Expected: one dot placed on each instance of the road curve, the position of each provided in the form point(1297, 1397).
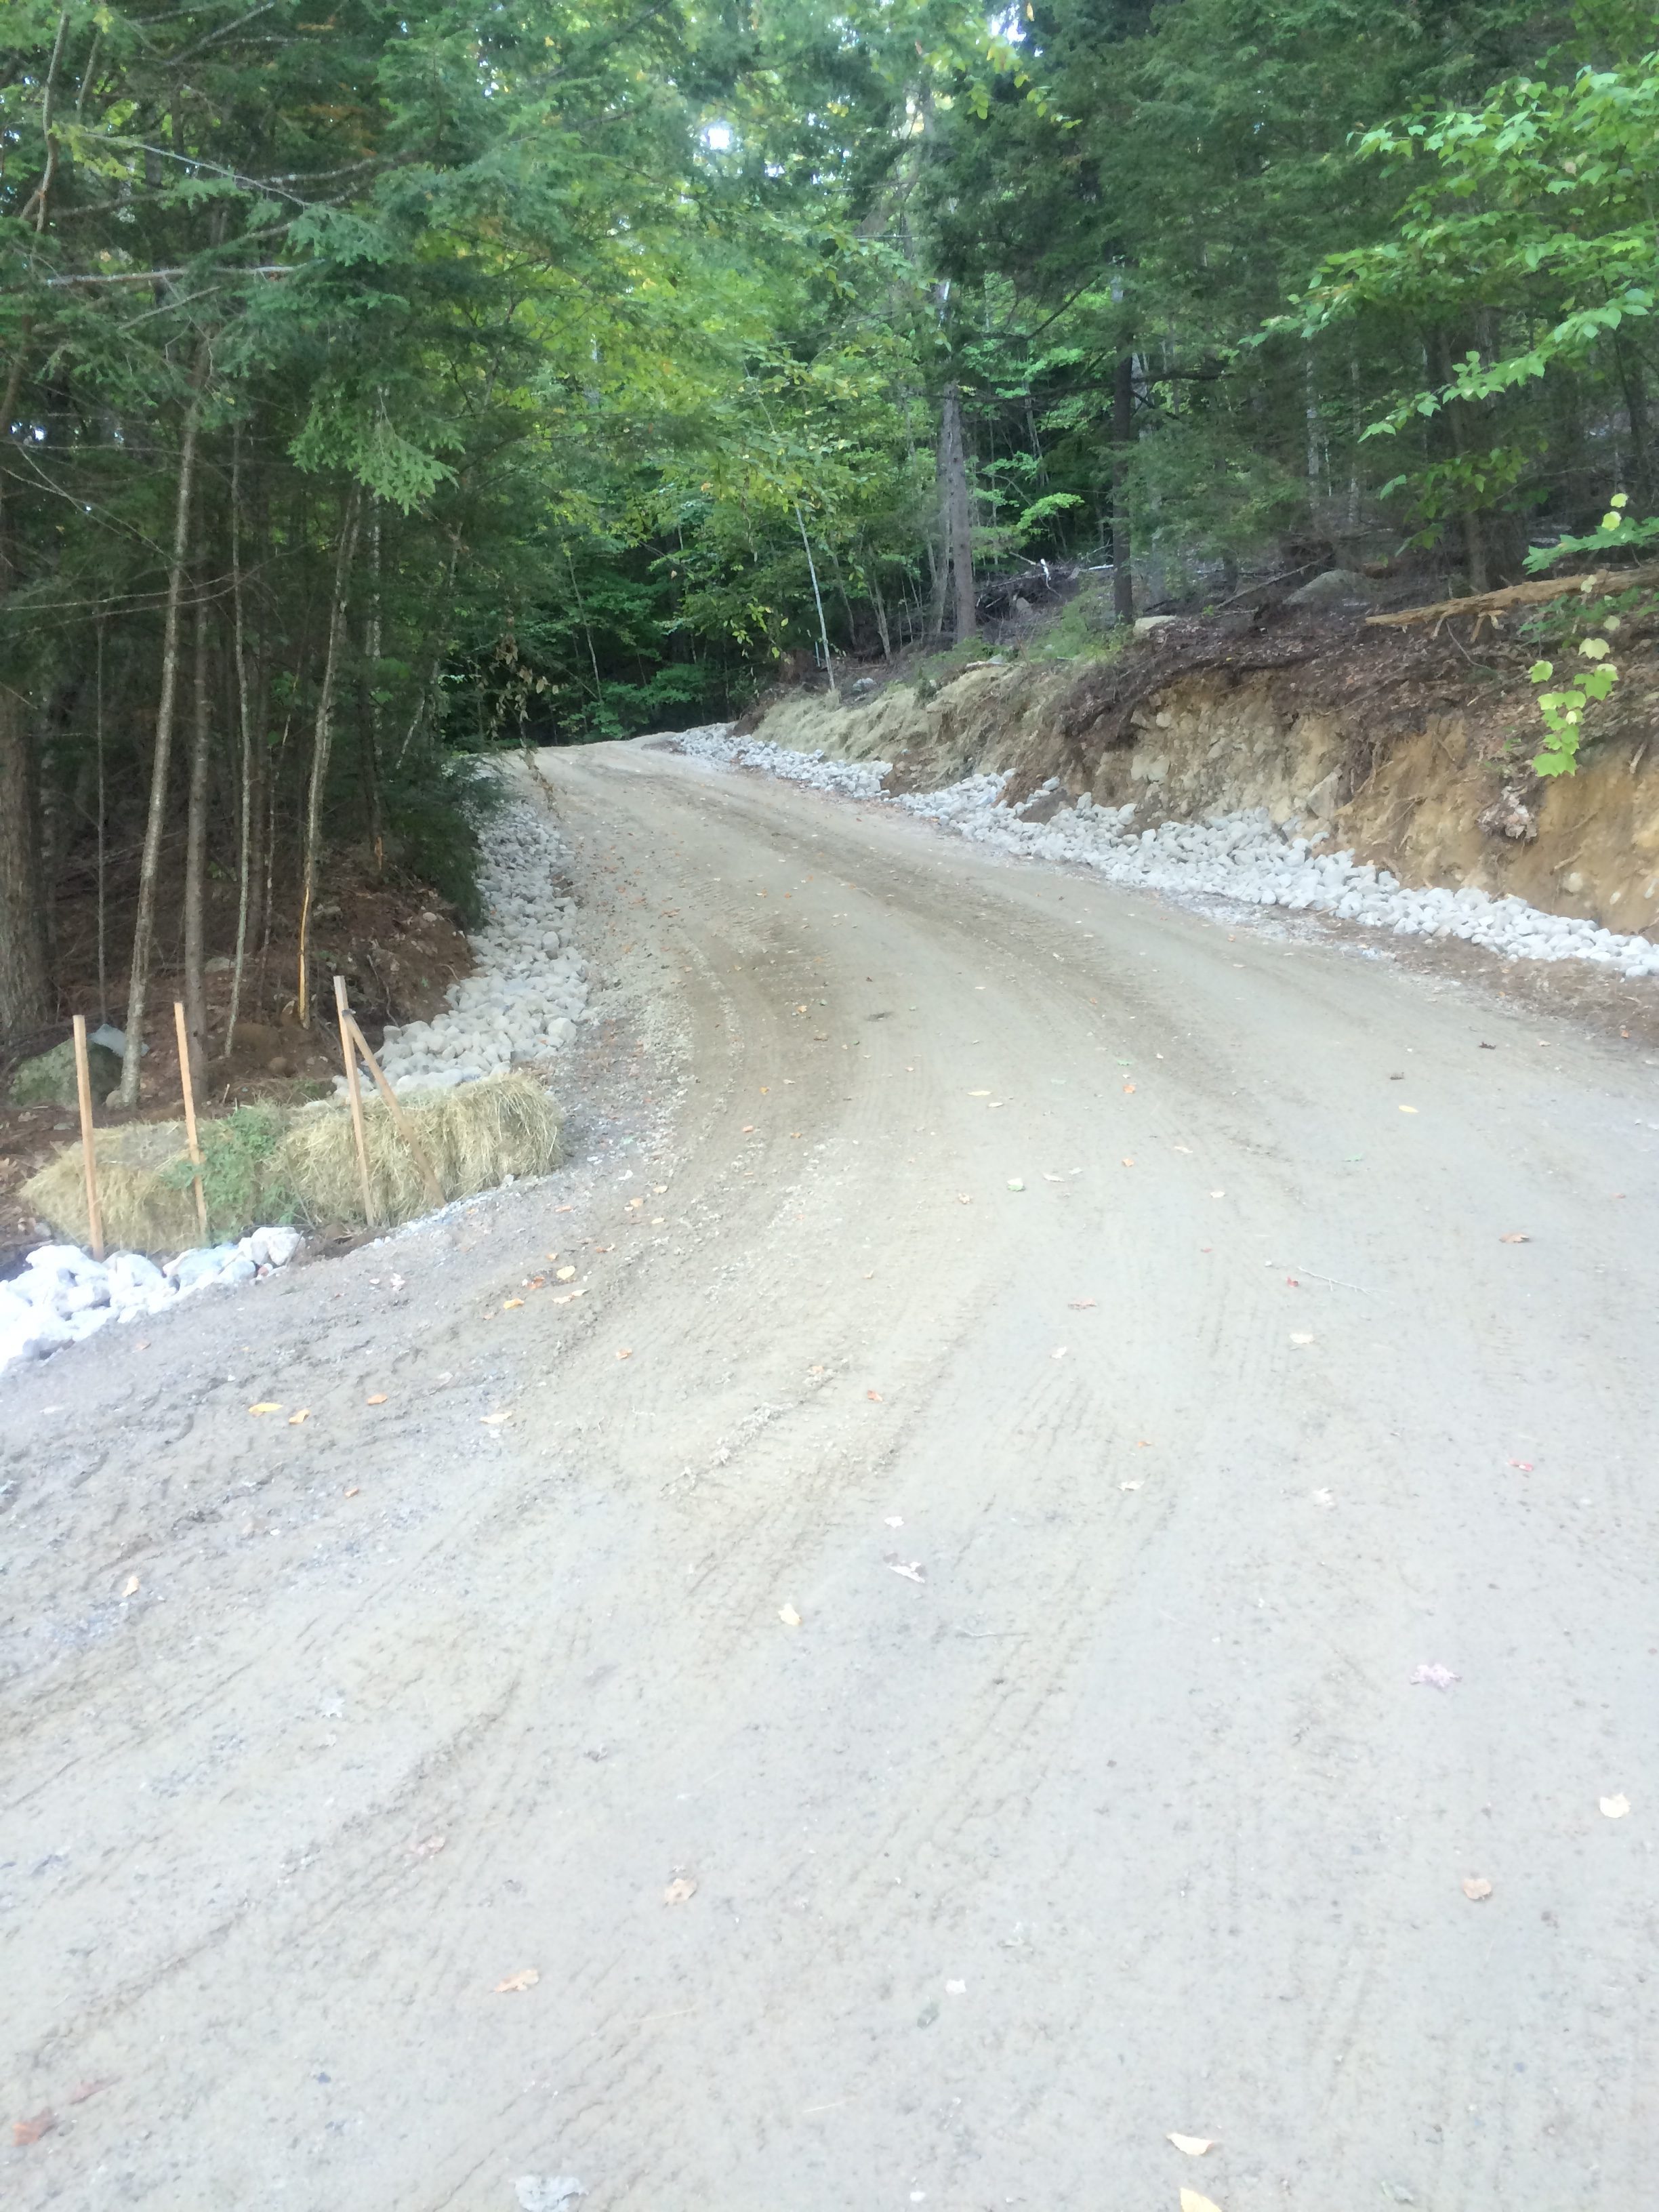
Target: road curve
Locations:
point(925, 1676)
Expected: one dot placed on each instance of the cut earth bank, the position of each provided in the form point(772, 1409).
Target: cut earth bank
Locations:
point(1363, 741)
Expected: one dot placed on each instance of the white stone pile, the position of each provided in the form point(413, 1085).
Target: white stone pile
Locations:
point(63, 1294)
point(852, 779)
point(1236, 856)
point(529, 987)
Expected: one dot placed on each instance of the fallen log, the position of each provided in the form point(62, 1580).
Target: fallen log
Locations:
point(1487, 605)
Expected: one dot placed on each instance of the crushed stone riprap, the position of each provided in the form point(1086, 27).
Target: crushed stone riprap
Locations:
point(529, 987)
point(1238, 856)
point(64, 1295)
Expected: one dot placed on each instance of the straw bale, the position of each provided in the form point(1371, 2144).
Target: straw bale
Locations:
point(476, 1135)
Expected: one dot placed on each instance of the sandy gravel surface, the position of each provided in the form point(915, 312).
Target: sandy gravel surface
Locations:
point(1140, 1290)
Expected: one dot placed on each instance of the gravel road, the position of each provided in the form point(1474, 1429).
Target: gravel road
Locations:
point(1105, 1332)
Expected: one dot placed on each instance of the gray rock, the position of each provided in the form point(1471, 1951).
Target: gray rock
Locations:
point(48, 1079)
point(1336, 587)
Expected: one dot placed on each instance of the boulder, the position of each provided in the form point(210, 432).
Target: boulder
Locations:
point(48, 1079)
point(1335, 587)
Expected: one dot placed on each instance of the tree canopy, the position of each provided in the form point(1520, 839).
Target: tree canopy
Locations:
point(384, 384)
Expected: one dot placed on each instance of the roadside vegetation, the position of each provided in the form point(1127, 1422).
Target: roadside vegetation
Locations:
point(384, 387)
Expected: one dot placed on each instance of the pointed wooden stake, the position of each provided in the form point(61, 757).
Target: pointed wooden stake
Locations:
point(428, 1173)
point(353, 1093)
point(188, 1091)
point(88, 1156)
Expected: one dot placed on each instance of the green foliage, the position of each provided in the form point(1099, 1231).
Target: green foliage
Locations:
point(1085, 628)
point(239, 1183)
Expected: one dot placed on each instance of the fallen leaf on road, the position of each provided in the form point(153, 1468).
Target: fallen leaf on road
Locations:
point(1435, 1677)
point(295, 1420)
point(1191, 2202)
point(874, 1396)
point(1014, 1183)
point(130, 1588)
point(962, 1199)
point(24, 2132)
point(493, 1420)
point(1477, 1889)
point(82, 2090)
point(1614, 1807)
point(1081, 1305)
point(979, 1094)
point(265, 1406)
point(1128, 1163)
point(635, 1203)
point(679, 1890)
point(1194, 2146)
point(1127, 1088)
point(1514, 1236)
point(788, 1616)
point(378, 1399)
point(1058, 1353)
point(507, 1305)
point(355, 1490)
point(1409, 1109)
point(1300, 1336)
point(526, 1978)
point(912, 1570)
point(566, 1274)
point(627, 1355)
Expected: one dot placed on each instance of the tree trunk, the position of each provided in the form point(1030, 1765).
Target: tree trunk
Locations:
point(957, 515)
point(321, 744)
point(25, 997)
point(817, 598)
point(372, 639)
point(1123, 437)
point(195, 992)
point(150, 867)
point(248, 809)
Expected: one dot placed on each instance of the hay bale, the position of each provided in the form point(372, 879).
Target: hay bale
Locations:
point(476, 1135)
point(298, 1165)
point(142, 1211)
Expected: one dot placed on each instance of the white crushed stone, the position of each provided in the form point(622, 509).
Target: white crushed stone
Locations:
point(63, 1294)
point(1238, 856)
point(529, 989)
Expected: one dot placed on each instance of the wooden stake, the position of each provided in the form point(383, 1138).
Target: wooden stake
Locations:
point(189, 1090)
point(353, 1093)
point(89, 1157)
point(428, 1173)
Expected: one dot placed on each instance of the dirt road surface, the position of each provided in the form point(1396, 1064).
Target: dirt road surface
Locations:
point(1103, 1327)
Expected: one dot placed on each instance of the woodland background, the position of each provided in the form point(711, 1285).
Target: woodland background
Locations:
point(384, 386)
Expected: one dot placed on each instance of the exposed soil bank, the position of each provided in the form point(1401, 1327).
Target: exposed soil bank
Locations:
point(1409, 752)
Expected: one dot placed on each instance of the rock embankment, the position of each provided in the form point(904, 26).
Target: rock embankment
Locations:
point(1242, 855)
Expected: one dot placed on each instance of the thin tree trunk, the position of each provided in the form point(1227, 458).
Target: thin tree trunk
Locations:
point(25, 997)
point(321, 744)
point(103, 813)
point(1123, 432)
point(149, 868)
point(245, 730)
point(372, 717)
point(956, 514)
point(818, 598)
point(195, 990)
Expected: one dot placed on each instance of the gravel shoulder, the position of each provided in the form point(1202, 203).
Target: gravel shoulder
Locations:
point(1058, 1248)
